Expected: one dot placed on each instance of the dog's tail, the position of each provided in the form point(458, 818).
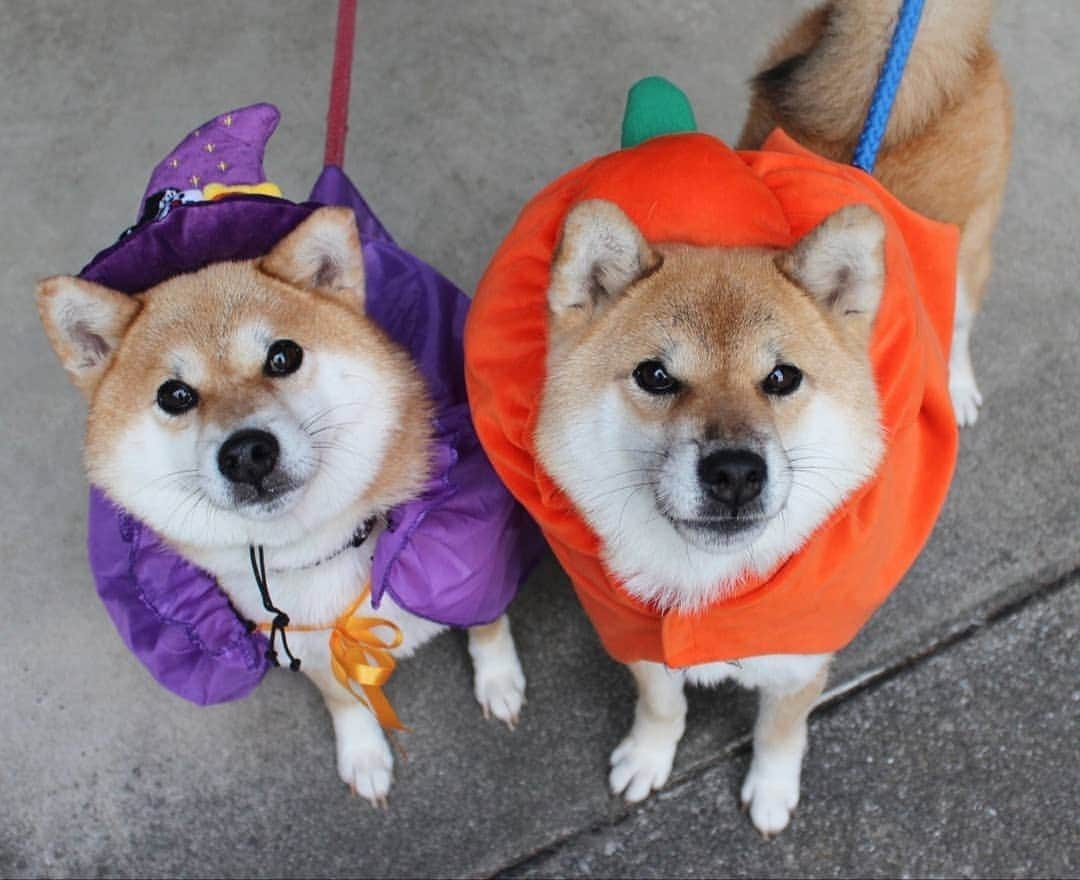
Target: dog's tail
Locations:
point(818, 80)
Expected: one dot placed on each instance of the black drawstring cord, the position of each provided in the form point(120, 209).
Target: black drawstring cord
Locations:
point(281, 619)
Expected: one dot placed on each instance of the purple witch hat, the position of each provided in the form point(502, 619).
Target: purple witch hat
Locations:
point(455, 555)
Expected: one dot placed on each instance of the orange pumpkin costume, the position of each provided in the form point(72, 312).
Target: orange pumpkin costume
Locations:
point(693, 188)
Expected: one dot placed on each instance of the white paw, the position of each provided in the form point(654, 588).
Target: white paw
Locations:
point(366, 765)
point(637, 768)
point(500, 689)
point(966, 400)
point(771, 793)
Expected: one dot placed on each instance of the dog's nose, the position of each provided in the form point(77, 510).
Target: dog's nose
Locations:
point(248, 456)
point(732, 476)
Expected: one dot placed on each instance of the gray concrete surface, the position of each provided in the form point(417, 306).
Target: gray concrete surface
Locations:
point(1000, 748)
point(459, 113)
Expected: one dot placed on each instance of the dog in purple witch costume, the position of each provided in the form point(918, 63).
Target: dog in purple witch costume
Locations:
point(280, 451)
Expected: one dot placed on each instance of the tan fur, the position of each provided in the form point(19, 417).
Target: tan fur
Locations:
point(946, 149)
point(696, 297)
point(187, 312)
point(783, 717)
point(488, 633)
point(203, 313)
point(719, 322)
point(780, 730)
point(99, 332)
point(300, 258)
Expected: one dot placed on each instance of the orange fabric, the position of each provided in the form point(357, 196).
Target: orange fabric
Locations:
point(693, 188)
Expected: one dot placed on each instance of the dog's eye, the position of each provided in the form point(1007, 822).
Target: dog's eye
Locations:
point(783, 379)
point(283, 357)
point(651, 376)
point(176, 397)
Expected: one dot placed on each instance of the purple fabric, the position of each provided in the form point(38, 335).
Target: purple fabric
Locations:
point(455, 555)
point(228, 149)
point(459, 551)
point(334, 188)
point(170, 613)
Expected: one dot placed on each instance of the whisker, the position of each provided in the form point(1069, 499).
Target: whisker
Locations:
point(626, 503)
point(195, 495)
point(335, 427)
point(592, 499)
point(660, 453)
point(179, 476)
point(342, 447)
point(832, 502)
point(604, 478)
point(312, 420)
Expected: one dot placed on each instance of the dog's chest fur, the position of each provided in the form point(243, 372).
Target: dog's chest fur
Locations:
point(784, 672)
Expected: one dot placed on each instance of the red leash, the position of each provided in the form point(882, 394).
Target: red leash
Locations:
point(337, 115)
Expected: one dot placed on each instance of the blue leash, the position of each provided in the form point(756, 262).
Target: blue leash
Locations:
point(892, 72)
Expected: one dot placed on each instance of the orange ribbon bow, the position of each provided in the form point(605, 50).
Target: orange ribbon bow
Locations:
point(359, 657)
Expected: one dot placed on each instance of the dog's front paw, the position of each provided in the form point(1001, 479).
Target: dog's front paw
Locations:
point(498, 681)
point(366, 765)
point(771, 793)
point(966, 399)
point(500, 689)
point(639, 767)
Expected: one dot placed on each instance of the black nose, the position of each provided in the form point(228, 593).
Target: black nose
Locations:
point(248, 456)
point(732, 476)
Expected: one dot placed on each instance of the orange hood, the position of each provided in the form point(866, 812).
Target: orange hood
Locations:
point(693, 188)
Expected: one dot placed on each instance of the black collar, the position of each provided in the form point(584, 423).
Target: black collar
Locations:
point(361, 534)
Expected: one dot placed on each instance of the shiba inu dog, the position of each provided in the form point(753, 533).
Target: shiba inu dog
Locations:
point(255, 403)
point(736, 413)
point(738, 409)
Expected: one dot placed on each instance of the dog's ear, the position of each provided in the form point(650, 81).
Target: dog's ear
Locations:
point(600, 254)
point(841, 262)
point(85, 323)
point(323, 254)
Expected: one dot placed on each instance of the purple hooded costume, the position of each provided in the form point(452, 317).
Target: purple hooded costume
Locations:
point(455, 554)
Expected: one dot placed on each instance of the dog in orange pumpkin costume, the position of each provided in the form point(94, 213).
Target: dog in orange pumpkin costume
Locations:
point(721, 381)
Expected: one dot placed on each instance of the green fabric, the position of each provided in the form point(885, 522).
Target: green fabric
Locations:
point(655, 106)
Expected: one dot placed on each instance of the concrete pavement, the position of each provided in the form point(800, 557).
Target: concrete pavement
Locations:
point(976, 717)
point(459, 113)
